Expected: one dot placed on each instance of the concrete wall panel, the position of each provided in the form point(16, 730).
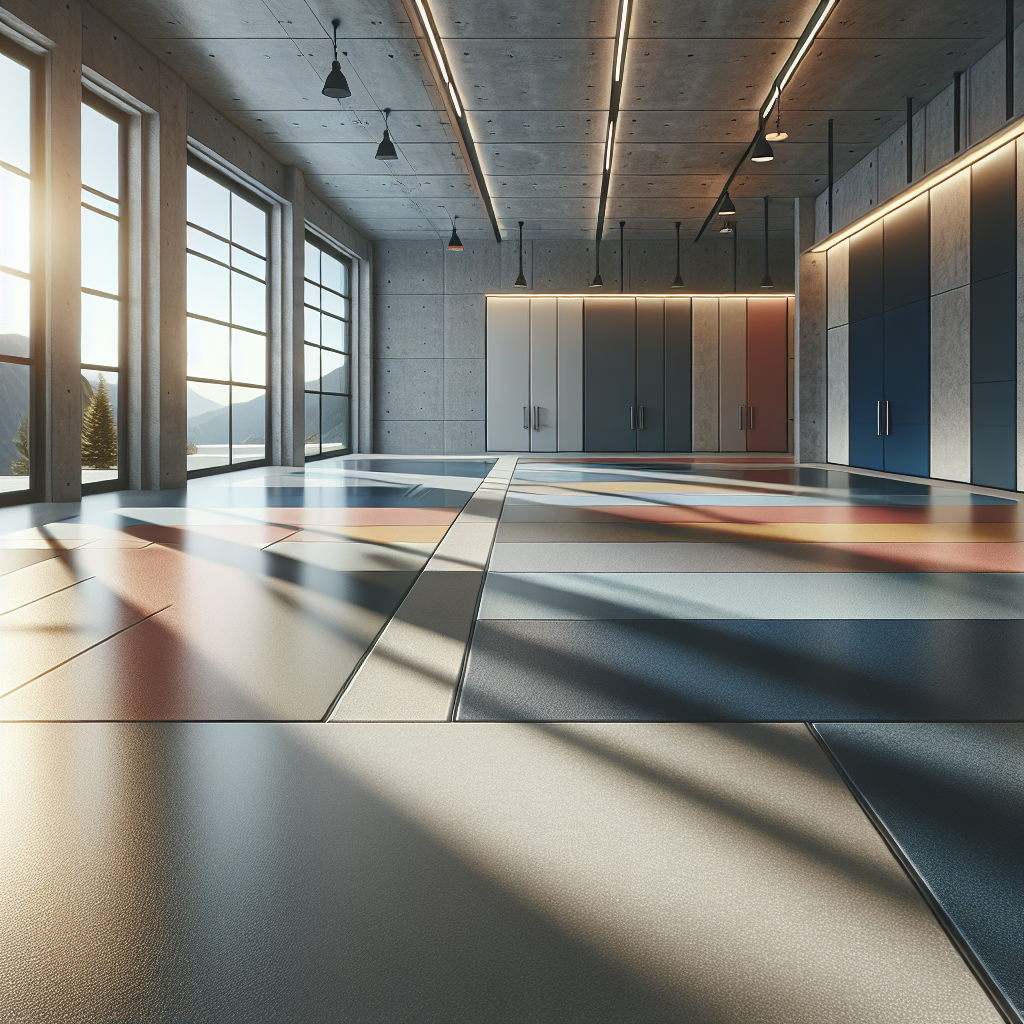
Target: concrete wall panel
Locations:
point(118, 59)
point(474, 270)
point(464, 320)
point(938, 142)
point(951, 385)
point(398, 437)
point(810, 341)
point(856, 192)
point(705, 374)
point(839, 284)
point(464, 389)
point(839, 395)
point(409, 326)
point(409, 389)
point(464, 437)
point(408, 268)
point(892, 163)
point(951, 233)
point(987, 95)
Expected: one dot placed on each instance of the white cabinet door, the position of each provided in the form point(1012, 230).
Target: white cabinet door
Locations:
point(733, 375)
point(509, 417)
point(570, 375)
point(544, 375)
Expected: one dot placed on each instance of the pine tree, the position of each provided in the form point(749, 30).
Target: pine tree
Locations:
point(99, 435)
point(20, 466)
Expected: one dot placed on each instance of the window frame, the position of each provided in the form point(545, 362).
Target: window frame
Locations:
point(319, 242)
point(108, 109)
point(250, 195)
point(34, 62)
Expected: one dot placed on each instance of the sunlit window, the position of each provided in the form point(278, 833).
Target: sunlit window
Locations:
point(227, 324)
point(328, 317)
point(16, 348)
point(102, 290)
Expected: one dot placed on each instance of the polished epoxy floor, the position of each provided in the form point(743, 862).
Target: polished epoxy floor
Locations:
point(701, 740)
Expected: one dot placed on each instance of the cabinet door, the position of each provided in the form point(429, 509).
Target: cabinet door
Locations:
point(678, 376)
point(866, 391)
point(767, 375)
point(732, 375)
point(543, 375)
point(650, 374)
point(907, 389)
point(508, 374)
point(570, 375)
point(609, 375)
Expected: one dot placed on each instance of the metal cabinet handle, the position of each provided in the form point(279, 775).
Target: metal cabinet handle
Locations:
point(536, 417)
point(750, 417)
point(741, 418)
point(641, 417)
point(526, 417)
point(878, 418)
point(888, 418)
point(632, 417)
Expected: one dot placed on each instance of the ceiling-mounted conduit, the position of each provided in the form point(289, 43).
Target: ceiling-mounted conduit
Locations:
point(618, 72)
point(423, 26)
point(803, 44)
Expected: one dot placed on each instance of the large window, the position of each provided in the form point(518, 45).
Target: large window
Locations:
point(16, 350)
point(102, 290)
point(227, 324)
point(328, 317)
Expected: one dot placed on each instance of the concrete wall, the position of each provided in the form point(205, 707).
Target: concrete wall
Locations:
point(428, 317)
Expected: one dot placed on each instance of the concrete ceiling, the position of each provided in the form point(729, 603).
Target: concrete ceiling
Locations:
point(535, 78)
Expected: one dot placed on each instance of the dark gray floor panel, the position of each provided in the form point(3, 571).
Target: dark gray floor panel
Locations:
point(744, 670)
point(952, 796)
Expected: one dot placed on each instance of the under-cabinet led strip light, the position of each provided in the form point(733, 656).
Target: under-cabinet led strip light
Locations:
point(423, 27)
point(955, 166)
point(601, 296)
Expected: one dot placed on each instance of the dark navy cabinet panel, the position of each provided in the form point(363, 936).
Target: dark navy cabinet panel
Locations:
point(866, 278)
point(678, 376)
point(994, 434)
point(994, 329)
point(907, 254)
point(650, 373)
point(907, 388)
point(993, 214)
point(867, 368)
point(609, 375)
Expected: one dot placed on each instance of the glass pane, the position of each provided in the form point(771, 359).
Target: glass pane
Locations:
point(312, 270)
point(248, 225)
point(15, 114)
point(107, 205)
point(334, 304)
point(312, 357)
point(15, 297)
point(207, 426)
point(312, 325)
point(15, 210)
point(333, 336)
point(312, 424)
point(14, 425)
point(335, 423)
point(200, 241)
point(333, 273)
point(333, 372)
point(208, 203)
point(248, 357)
point(207, 350)
point(311, 294)
point(208, 288)
point(248, 423)
point(100, 330)
point(100, 163)
point(248, 302)
point(250, 264)
point(99, 426)
point(99, 252)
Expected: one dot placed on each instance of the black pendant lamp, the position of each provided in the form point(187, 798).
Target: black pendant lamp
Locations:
point(728, 208)
point(386, 149)
point(763, 152)
point(454, 243)
point(336, 85)
point(521, 279)
point(767, 282)
point(678, 282)
point(597, 282)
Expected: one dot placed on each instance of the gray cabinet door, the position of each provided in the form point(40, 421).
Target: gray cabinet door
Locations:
point(650, 374)
point(508, 374)
point(544, 374)
point(732, 381)
point(609, 374)
point(678, 376)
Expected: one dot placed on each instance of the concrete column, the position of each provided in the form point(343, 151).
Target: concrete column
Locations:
point(168, 355)
point(62, 230)
point(289, 400)
point(810, 340)
point(705, 374)
point(363, 396)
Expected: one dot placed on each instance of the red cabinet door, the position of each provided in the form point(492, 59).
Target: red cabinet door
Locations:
point(767, 374)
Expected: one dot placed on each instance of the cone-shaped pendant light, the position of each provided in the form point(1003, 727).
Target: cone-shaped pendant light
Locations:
point(386, 149)
point(336, 85)
point(454, 243)
point(728, 208)
point(678, 282)
point(763, 152)
point(521, 279)
point(767, 282)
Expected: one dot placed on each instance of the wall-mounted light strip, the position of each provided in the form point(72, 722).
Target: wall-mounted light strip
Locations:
point(803, 44)
point(759, 296)
point(618, 70)
point(955, 166)
point(422, 22)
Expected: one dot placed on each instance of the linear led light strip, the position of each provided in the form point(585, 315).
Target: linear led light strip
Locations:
point(814, 26)
point(599, 296)
point(418, 12)
point(969, 157)
point(621, 38)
